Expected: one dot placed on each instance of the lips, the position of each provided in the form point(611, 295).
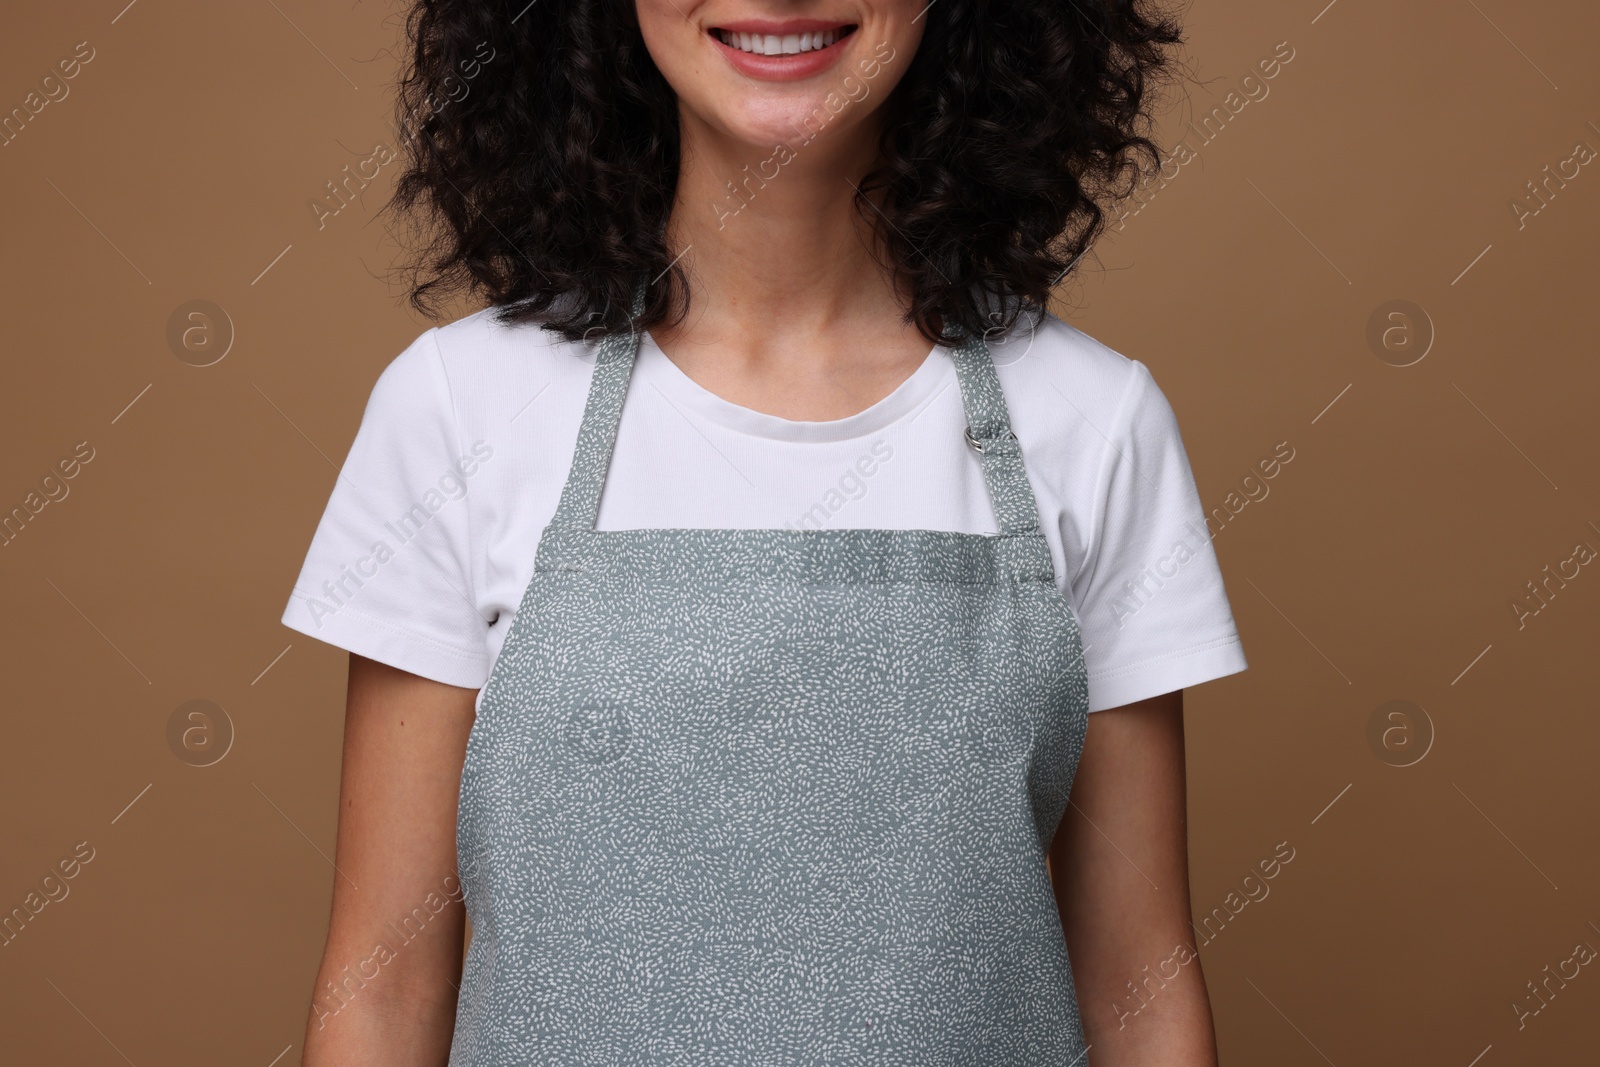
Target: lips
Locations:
point(785, 50)
point(772, 44)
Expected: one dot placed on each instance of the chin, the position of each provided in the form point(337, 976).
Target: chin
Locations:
point(793, 120)
point(800, 112)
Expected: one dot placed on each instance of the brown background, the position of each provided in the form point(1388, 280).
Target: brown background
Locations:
point(1382, 565)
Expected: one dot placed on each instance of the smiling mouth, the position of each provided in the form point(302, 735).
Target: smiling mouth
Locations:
point(787, 45)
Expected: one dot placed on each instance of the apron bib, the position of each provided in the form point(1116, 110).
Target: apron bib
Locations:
point(774, 797)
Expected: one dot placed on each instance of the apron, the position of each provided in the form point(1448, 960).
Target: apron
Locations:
point(774, 797)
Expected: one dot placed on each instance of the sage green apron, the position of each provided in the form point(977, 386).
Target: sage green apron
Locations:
point(763, 797)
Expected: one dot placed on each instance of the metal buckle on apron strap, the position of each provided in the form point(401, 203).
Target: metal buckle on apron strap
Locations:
point(1007, 442)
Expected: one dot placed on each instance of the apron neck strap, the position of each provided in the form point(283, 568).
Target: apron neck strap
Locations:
point(988, 432)
point(990, 435)
point(579, 506)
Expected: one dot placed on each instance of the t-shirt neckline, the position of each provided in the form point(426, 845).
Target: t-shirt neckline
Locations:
point(911, 394)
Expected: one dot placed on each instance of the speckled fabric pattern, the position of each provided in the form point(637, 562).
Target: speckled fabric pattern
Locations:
point(774, 797)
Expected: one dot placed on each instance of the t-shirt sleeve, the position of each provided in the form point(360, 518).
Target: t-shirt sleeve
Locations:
point(1152, 609)
point(388, 573)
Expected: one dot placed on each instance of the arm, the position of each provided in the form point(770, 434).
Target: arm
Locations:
point(1126, 829)
point(386, 988)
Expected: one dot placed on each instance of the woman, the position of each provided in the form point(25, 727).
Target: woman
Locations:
point(737, 597)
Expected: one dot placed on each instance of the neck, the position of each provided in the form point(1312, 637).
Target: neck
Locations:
point(772, 240)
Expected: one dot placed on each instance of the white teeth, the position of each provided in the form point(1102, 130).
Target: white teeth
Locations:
point(769, 45)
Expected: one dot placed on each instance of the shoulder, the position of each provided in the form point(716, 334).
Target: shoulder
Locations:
point(478, 345)
point(485, 335)
point(469, 362)
point(1065, 387)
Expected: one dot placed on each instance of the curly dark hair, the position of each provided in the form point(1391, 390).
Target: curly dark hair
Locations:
point(542, 142)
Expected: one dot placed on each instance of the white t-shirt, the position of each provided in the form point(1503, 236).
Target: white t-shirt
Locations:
point(427, 543)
